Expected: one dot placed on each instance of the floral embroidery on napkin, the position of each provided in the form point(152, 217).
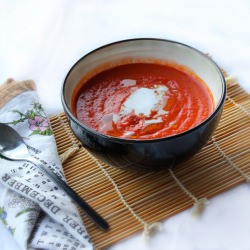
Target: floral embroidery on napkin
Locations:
point(37, 120)
point(19, 207)
point(25, 207)
point(3, 218)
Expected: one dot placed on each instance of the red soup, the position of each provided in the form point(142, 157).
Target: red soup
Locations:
point(143, 101)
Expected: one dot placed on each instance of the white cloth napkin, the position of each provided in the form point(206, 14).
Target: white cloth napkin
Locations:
point(35, 211)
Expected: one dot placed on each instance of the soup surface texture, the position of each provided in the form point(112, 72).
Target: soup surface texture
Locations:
point(142, 101)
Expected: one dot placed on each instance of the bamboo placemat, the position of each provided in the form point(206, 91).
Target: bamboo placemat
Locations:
point(131, 201)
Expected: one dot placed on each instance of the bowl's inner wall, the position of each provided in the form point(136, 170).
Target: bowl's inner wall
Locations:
point(145, 50)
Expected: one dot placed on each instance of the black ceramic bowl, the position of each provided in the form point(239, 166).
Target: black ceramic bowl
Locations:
point(147, 154)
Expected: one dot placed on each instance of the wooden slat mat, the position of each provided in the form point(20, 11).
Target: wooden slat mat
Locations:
point(129, 201)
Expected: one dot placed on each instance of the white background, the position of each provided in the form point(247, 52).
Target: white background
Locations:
point(42, 39)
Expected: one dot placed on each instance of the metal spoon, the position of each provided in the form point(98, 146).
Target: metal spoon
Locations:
point(12, 147)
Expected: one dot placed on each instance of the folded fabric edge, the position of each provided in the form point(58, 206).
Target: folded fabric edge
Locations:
point(11, 88)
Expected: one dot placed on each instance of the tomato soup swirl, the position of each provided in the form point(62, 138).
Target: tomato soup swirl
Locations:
point(143, 101)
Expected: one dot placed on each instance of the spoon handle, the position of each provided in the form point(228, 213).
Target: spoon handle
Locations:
point(92, 214)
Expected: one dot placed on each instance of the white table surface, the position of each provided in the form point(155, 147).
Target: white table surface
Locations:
point(41, 39)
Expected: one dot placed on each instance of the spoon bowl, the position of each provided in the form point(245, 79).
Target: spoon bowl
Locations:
point(12, 146)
